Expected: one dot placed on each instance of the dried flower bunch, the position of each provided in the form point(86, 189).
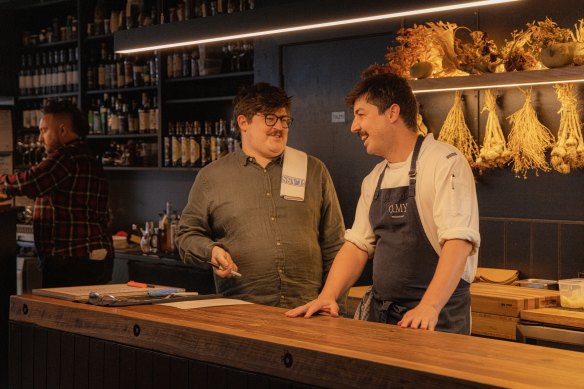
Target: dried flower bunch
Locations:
point(494, 152)
point(528, 139)
point(568, 152)
point(456, 132)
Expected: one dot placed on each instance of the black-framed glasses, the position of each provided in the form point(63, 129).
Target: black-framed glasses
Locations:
point(272, 119)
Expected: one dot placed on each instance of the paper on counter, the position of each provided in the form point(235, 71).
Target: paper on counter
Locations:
point(205, 303)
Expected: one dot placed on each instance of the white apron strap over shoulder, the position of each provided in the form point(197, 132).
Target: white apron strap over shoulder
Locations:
point(294, 174)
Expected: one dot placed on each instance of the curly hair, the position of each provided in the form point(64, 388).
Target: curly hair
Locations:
point(67, 109)
point(260, 98)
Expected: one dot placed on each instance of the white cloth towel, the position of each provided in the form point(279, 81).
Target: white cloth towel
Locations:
point(294, 174)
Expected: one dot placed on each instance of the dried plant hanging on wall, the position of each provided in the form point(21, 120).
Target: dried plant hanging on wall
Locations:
point(568, 152)
point(528, 139)
point(494, 152)
point(456, 132)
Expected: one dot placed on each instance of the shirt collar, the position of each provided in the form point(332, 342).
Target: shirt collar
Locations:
point(244, 159)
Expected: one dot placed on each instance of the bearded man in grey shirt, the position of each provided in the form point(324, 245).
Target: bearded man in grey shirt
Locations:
point(238, 218)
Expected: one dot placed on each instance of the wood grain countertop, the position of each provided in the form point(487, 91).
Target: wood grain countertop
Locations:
point(324, 351)
point(556, 316)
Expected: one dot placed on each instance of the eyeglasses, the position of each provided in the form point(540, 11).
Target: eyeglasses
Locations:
point(272, 119)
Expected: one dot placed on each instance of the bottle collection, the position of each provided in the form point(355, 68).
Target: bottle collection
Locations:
point(189, 145)
point(29, 151)
point(119, 115)
point(56, 32)
point(113, 71)
point(159, 238)
point(131, 153)
point(203, 60)
point(49, 72)
point(135, 13)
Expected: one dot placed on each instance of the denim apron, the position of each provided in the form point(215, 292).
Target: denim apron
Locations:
point(405, 261)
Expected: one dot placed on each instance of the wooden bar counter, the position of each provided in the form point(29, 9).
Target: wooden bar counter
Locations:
point(57, 343)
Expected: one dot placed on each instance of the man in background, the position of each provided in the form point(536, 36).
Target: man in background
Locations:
point(70, 217)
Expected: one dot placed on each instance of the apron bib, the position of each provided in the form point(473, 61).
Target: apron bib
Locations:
point(405, 261)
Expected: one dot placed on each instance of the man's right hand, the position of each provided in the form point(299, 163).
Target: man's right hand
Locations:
point(223, 259)
point(321, 304)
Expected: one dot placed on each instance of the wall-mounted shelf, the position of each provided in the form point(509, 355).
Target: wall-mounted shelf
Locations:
point(200, 100)
point(50, 45)
point(499, 80)
point(209, 77)
point(122, 136)
point(123, 90)
point(99, 37)
point(52, 95)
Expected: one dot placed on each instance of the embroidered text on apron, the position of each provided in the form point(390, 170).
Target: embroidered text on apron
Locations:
point(405, 261)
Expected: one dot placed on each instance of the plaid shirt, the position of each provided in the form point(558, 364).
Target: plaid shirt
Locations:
point(71, 202)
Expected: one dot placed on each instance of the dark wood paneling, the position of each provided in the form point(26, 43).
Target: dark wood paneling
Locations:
point(111, 371)
point(518, 247)
point(15, 360)
point(544, 262)
point(81, 365)
point(96, 363)
point(27, 342)
point(40, 358)
point(128, 370)
point(144, 372)
point(53, 358)
point(179, 373)
point(216, 377)
point(571, 251)
point(67, 361)
point(161, 371)
point(198, 377)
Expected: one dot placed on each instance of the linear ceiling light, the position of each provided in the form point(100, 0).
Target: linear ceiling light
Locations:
point(258, 33)
point(497, 86)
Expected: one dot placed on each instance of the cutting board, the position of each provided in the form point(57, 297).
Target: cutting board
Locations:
point(494, 326)
point(507, 300)
point(81, 293)
point(556, 316)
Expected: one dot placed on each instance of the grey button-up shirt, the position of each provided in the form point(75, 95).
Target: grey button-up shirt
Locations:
point(284, 249)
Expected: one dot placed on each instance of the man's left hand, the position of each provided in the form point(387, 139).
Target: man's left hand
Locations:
point(423, 316)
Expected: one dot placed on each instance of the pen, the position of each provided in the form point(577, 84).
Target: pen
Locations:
point(233, 272)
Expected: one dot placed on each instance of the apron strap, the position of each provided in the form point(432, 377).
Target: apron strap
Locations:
point(413, 171)
point(379, 181)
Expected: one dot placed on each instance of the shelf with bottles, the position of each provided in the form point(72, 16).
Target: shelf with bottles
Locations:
point(232, 59)
point(123, 136)
point(61, 31)
point(28, 152)
point(124, 115)
point(123, 90)
point(195, 143)
point(128, 153)
point(110, 72)
point(200, 100)
point(50, 73)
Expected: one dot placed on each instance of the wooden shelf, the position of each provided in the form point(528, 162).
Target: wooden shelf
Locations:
point(209, 77)
point(48, 96)
point(99, 37)
point(200, 100)
point(50, 45)
point(123, 90)
point(130, 168)
point(121, 136)
point(499, 80)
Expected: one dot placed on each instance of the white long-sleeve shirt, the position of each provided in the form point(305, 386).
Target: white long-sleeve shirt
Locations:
point(445, 198)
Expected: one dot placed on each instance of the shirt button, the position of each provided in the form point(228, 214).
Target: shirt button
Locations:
point(268, 194)
point(278, 243)
point(265, 171)
point(272, 218)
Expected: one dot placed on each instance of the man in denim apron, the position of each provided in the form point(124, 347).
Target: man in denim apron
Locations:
point(417, 218)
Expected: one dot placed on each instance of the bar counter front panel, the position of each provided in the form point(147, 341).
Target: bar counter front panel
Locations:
point(254, 341)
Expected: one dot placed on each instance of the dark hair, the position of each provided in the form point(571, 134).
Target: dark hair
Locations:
point(260, 98)
point(66, 108)
point(383, 90)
